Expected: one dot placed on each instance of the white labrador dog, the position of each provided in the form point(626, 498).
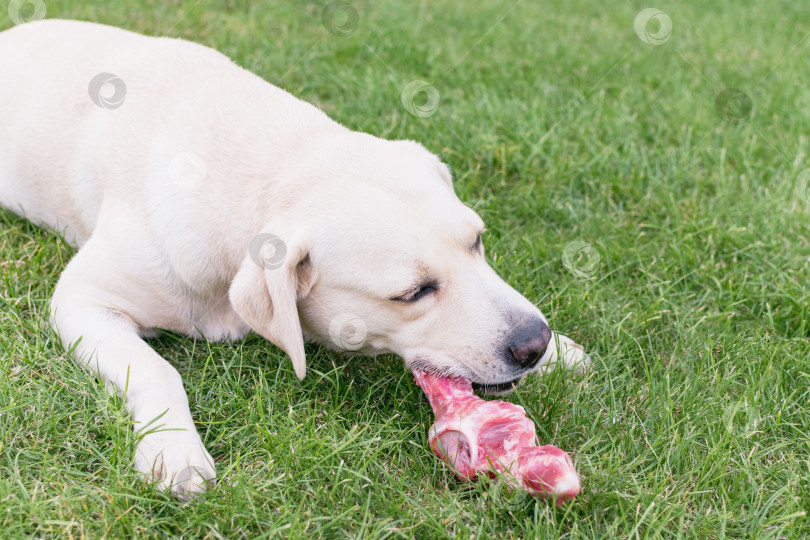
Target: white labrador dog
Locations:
point(206, 201)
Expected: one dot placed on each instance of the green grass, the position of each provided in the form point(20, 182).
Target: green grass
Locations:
point(560, 125)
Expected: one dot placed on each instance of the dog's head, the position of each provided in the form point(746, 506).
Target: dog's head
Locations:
point(370, 250)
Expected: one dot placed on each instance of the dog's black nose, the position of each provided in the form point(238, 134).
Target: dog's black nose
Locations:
point(529, 344)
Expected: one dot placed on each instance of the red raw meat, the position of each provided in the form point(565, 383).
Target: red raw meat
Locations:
point(476, 436)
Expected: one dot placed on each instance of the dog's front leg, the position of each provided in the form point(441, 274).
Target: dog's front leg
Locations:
point(108, 344)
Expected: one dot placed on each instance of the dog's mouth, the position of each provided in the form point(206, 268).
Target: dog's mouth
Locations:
point(497, 387)
point(421, 363)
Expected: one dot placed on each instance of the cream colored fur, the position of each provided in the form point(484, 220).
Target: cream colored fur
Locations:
point(165, 193)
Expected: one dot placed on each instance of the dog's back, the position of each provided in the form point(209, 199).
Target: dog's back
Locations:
point(82, 122)
point(37, 162)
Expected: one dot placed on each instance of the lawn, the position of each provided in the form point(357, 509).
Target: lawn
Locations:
point(644, 179)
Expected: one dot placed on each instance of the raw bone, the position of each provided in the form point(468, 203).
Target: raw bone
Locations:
point(476, 436)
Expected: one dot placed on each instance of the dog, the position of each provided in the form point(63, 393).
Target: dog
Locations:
point(205, 201)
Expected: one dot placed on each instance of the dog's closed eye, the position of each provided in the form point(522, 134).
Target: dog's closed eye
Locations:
point(479, 244)
point(417, 293)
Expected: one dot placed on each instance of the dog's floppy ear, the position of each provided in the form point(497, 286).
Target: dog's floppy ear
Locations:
point(273, 277)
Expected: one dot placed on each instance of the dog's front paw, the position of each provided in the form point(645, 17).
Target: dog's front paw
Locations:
point(565, 353)
point(176, 460)
point(573, 356)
